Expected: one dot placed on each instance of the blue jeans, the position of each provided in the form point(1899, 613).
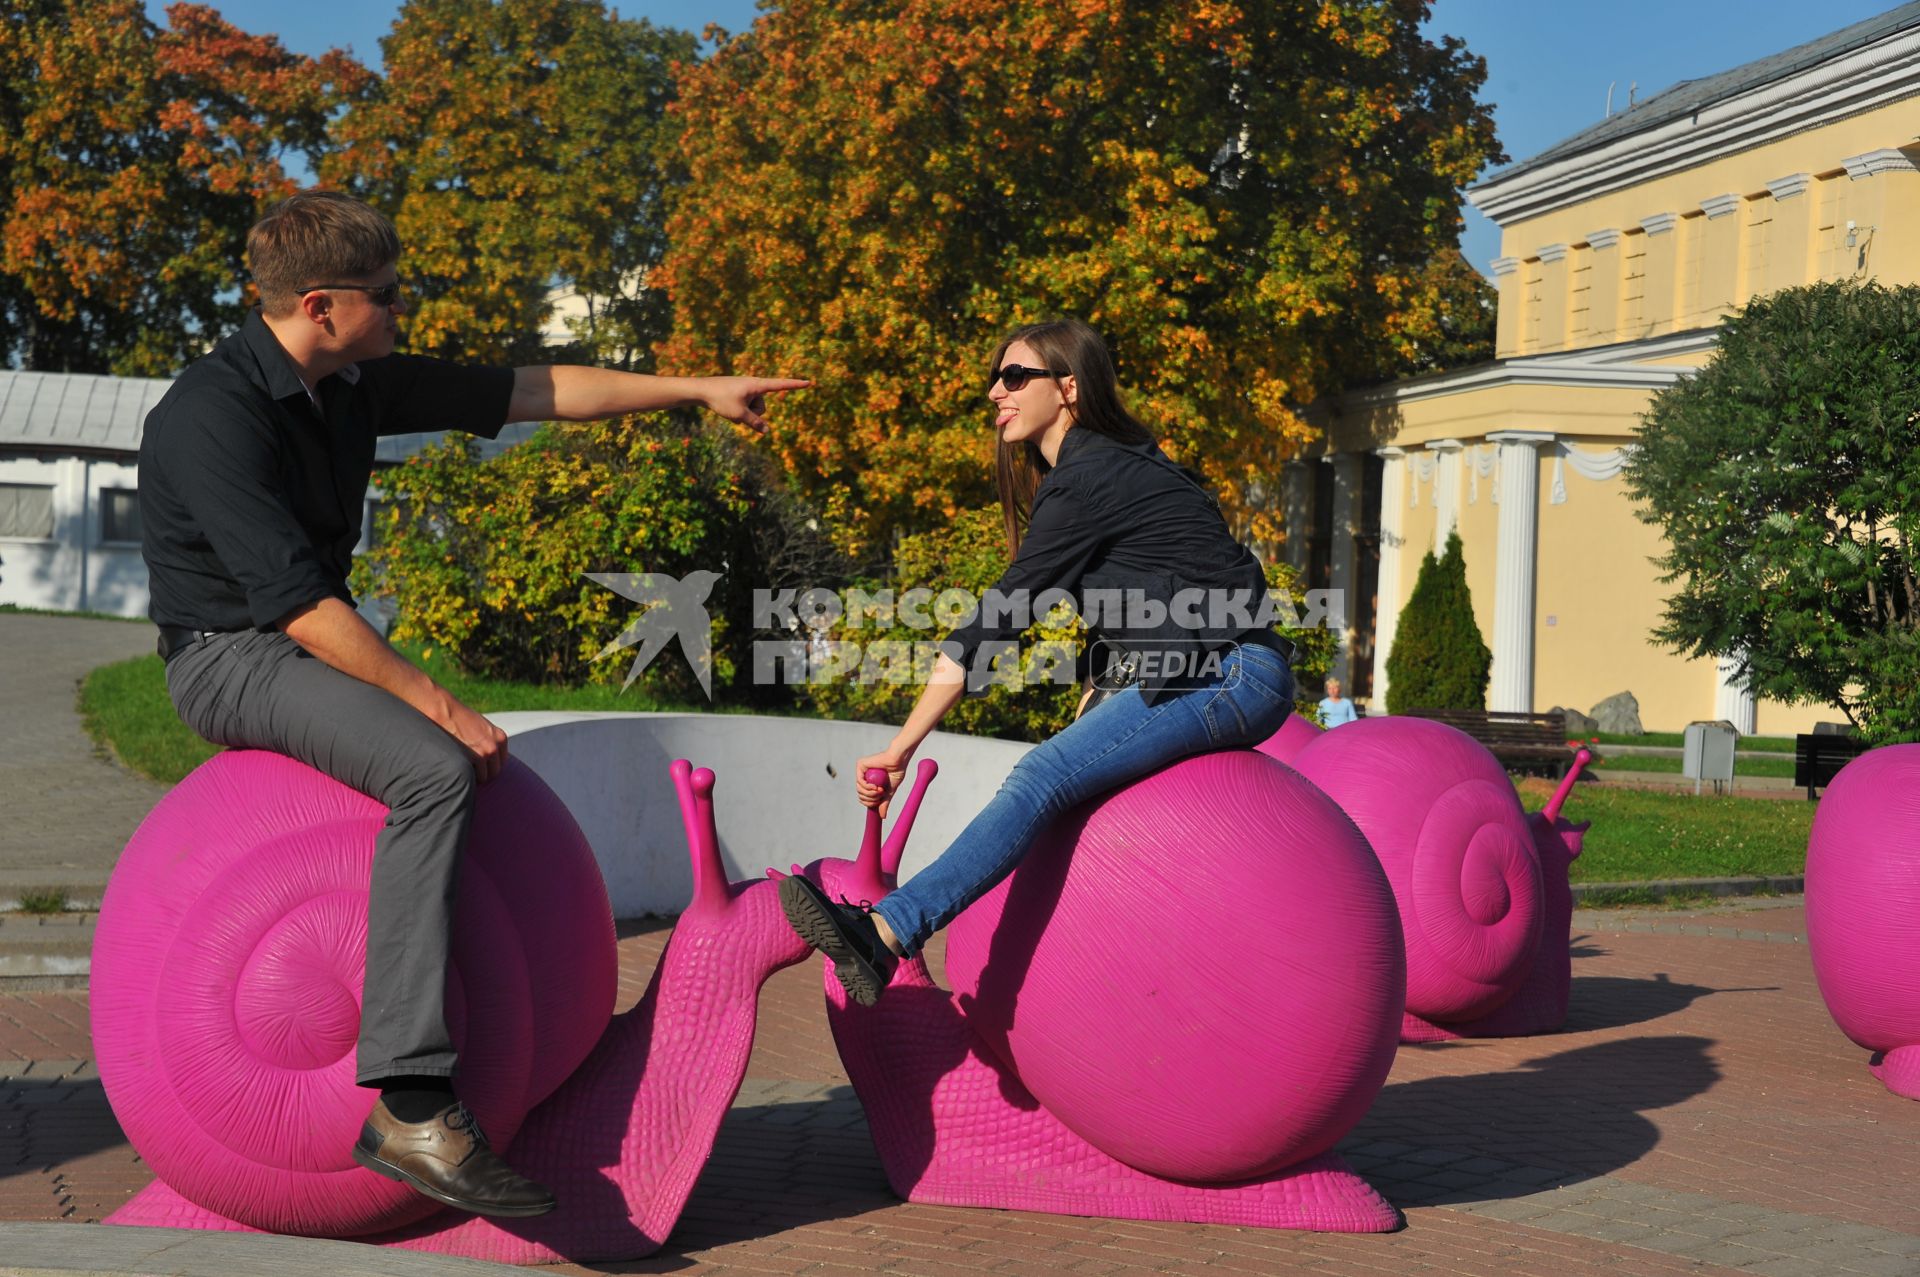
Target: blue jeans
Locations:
point(1118, 741)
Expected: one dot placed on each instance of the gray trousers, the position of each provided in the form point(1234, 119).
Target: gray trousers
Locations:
point(261, 690)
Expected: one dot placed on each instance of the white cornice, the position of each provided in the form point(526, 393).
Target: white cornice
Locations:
point(1719, 205)
point(1659, 223)
point(1886, 160)
point(1785, 188)
point(1859, 80)
point(1505, 265)
point(1390, 452)
point(1524, 373)
point(1445, 445)
point(1694, 341)
point(1522, 436)
point(1553, 252)
point(1603, 239)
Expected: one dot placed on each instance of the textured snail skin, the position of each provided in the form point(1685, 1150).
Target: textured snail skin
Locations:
point(623, 1139)
point(1540, 1004)
point(1294, 735)
point(226, 977)
point(1442, 816)
point(1206, 967)
point(1863, 897)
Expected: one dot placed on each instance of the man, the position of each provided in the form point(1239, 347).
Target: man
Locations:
point(1336, 709)
point(253, 472)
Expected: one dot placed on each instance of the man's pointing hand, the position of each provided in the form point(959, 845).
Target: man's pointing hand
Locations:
point(744, 399)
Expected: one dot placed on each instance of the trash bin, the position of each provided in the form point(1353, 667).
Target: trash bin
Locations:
point(1706, 753)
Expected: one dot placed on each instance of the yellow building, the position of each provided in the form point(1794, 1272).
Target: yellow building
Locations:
point(1623, 248)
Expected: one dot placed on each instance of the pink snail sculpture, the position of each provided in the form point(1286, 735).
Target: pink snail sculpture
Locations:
point(1482, 888)
point(1863, 896)
point(226, 986)
point(1294, 735)
point(1188, 991)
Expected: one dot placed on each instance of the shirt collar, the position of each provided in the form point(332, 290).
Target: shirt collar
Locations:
point(274, 366)
point(1071, 442)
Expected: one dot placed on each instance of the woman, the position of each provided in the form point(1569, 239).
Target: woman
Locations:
point(1335, 709)
point(1094, 507)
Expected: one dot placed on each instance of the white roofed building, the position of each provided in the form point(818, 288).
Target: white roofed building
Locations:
point(69, 511)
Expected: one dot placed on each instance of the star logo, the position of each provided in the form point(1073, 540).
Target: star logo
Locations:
point(673, 608)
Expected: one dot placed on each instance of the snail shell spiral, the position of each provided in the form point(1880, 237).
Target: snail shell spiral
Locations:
point(227, 971)
point(1443, 818)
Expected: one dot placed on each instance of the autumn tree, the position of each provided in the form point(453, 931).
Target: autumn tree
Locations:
point(1254, 203)
point(133, 158)
point(512, 141)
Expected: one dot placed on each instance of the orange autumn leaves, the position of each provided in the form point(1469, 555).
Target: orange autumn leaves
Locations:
point(1255, 203)
point(134, 158)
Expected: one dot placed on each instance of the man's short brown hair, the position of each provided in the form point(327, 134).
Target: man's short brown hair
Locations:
point(316, 237)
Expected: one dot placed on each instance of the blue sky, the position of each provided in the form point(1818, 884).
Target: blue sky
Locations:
point(1548, 63)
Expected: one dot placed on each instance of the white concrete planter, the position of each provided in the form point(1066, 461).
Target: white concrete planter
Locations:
point(783, 792)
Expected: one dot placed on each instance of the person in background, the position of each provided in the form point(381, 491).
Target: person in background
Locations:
point(1336, 709)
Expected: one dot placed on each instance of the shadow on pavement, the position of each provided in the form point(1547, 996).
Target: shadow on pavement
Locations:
point(775, 1167)
point(1611, 1002)
point(1578, 1111)
point(47, 1122)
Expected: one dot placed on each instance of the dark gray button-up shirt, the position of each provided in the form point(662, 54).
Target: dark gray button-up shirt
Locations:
point(251, 493)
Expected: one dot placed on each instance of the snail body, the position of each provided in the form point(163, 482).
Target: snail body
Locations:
point(1863, 889)
point(1185, 994)
point(248, 883)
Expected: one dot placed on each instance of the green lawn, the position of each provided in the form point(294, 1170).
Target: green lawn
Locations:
point(125, 709)
point(1642, 835)
point(1782, 766)
point(1675, 740)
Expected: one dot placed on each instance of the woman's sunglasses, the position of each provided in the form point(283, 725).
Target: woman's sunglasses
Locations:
point(378, 294)
point(1017, 376)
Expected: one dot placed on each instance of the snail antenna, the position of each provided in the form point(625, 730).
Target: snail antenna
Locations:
point(1559, 799)
point(896, 848)
point(695, 790)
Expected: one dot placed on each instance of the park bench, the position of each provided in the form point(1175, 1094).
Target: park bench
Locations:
point(1522, 742)
point(1819, 756)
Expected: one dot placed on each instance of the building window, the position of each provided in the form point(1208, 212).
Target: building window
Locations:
point(119, 514)
point(26, 510)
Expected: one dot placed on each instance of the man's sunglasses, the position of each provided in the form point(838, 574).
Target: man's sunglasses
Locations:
point(1017, 376)
point(379, 294)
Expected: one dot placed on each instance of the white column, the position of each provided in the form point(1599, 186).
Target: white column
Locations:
point(1512, 685)
point(1446, 492)
point(1297, 493)
point(1386, 616)
point(1343, 568)
point(1732, 698)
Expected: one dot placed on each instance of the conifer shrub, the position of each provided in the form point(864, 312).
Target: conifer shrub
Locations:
point(1439, 660)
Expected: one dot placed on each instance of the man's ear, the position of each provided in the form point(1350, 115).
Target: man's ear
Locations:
point(317, 307)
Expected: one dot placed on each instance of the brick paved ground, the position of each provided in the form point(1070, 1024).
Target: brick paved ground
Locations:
point(67, 812)
point(1700, 1115)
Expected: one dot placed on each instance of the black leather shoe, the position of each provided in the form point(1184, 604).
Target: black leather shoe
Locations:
point(448, 1159)
point(845, 933)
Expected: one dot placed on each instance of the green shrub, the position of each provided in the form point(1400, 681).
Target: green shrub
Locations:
point(488, 560)
point(1438, 660)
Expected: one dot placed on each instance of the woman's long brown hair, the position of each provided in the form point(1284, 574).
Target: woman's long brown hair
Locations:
point(1073, 346)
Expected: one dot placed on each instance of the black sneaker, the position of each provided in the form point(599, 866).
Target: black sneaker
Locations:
point(845, 933)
